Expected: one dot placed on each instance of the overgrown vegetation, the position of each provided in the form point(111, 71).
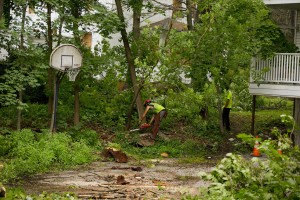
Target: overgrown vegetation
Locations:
point(26, 153)
point(21, 195)
point(242, 28)
point(275, 176)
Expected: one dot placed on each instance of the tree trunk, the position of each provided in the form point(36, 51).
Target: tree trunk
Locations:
point(137, 12)
point(51, 73)
point(76, 103)
point(76, 15)
point(1, 9)
point(297, 121)
point(220, 103)
point(197, 13)
point(7, 4)
point(189, 15)
point(19, 115)
point(19, 118)
point(129, 59)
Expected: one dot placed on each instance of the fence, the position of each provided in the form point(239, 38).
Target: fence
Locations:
point(282, 68)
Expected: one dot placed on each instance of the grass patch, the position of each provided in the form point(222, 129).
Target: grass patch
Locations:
point(264, 120)
point(31, 153)
point(18, 193)
point(174, 148)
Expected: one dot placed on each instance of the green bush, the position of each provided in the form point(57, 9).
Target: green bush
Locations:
point(184, 106)
point(35, 116)
point(174, 148)
point(19, 194)
point(278, 103)
point(32, 153)
point(4, 145)
point(89, 137)
point(8, 117)
point(275, 177)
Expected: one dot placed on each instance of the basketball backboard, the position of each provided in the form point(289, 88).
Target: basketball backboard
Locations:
point(65, 57)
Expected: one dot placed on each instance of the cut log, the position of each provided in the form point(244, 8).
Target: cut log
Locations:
point(118, 156)
point(2, 191)
point(121, 180)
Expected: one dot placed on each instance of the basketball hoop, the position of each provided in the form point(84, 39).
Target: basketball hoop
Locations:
point(66, 58)
point(72, 73)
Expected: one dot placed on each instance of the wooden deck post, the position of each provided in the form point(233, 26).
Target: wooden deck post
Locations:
point(253, 113)
point(297, 121)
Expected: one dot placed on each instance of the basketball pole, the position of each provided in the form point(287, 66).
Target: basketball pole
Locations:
point(63, 58)
point(59, 77)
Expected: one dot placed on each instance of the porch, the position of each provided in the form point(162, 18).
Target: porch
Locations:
point(290, 4)
point(276, 76)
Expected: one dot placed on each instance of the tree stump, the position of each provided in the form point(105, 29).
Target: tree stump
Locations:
point(145, 140)
point(118, 156)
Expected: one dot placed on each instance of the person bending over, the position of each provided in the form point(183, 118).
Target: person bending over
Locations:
point(158, 113)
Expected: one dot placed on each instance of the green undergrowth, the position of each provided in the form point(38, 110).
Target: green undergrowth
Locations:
point(274, 175)
point(264, 121)
point(26, 153)
point(19, 194)
point(174, 148)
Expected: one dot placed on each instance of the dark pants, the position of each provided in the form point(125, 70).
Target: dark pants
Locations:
point(157, 119)
point(225, 116)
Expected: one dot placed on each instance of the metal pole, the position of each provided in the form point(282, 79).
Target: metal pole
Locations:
point(59, 77)
point(253, 114)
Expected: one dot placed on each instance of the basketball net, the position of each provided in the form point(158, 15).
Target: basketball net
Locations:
point(72, 73)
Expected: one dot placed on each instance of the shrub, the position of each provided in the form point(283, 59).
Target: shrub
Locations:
point(19, 194)
point(184, 106)
point(275, 177)
point(174, 147)
point(35, 116)
point(89, 137)
point(32, 153)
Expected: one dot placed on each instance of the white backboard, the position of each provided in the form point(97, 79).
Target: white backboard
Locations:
point(66, 56)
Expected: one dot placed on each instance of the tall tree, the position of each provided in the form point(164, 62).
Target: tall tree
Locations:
point(1, 13)
point(129, 58)
point(24, 66)
point(228, 35)
point(189, 15)
point(76, 7)
point(22, 32)
point(51, 73)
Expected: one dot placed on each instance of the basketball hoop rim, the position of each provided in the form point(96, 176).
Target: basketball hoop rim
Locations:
point(72, 73)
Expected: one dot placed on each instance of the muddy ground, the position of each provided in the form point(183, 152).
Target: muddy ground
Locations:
point(162, 178)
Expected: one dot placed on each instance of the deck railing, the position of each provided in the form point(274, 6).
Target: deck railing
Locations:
point(282, 68)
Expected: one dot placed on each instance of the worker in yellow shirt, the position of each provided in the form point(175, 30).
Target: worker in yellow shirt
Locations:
point(226, 109)
point(158, 113)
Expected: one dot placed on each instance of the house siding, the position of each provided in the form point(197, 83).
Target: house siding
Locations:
point(285, 19)
point(297, 31)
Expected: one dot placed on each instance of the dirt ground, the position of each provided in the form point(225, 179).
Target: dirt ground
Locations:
point(163, 178)
point(154, 179)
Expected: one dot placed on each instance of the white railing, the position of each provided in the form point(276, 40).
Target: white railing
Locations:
point(282, 68)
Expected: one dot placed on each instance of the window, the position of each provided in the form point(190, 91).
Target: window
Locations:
point(87, 40)
point(177, 4)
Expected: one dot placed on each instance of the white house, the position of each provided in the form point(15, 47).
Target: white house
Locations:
point(279, 76)
point(282, 77)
